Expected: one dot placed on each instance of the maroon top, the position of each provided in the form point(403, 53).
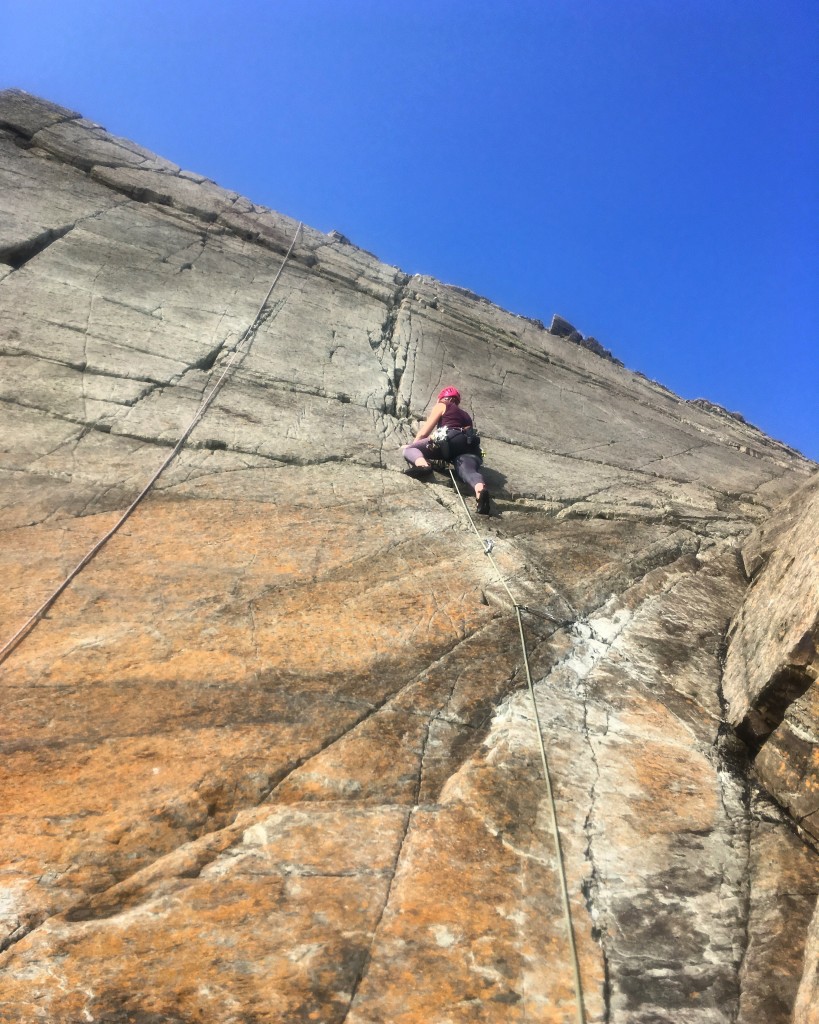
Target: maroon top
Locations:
point(455, 417)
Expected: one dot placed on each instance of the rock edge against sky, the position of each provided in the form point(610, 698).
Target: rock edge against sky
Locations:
point(271, 757)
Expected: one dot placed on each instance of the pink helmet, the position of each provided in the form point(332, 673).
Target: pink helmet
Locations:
point(452, 393)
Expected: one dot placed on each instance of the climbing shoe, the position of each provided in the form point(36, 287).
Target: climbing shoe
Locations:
point(482, 507)
point(418, 471)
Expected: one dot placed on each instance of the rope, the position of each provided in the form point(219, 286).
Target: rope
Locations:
point(24, 631)
point(486, 547)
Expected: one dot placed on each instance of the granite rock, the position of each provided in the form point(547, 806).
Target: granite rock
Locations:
point(772, 664)
point(561, 327)
point(272, 756)
point(806, 1010)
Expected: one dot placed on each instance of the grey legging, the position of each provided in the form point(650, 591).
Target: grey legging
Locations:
point(466, 466)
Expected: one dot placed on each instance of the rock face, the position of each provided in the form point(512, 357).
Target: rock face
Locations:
point(772, 666)
point(272, 757)
point(770, 679)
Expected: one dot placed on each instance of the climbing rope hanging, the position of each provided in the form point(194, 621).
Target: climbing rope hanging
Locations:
point(486, 547)
point(238, 352)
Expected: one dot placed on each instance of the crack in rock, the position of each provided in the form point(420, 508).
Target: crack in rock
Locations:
point(17, 254)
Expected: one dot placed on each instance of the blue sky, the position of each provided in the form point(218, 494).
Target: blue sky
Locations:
point(649, 169)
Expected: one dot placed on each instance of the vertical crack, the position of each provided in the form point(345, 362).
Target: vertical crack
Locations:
point(745, 895)
point(591, 887)
point(733, 762)
point(392, 355)
point(362, 972)
point(367, 959)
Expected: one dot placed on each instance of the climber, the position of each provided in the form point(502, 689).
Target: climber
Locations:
point(448, 435)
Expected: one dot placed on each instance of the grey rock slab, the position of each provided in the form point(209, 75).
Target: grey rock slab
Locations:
point(131, 315)
point(318, 337)
point(581, 487)
point(203, 199)
point(765, 539)
point(778, 490)
point(84, 144)
point(777, 629)
point(280, 424)
point(55, 387)
point(75, 473)
point(27, 114)
point(707, 463)
point(31, 306)
point(577, 414)
point(136, 310)
point(315, 251)
point(145, 235)
point(588, 561)
point(49, 205)
point(29, 435)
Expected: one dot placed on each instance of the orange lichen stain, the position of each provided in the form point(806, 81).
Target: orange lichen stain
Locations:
point(671, 786)
point(676, 789)
point(209, 650)
point(209, 589)
point(470, 918)
point(229, 933)
point(379, 761)
point(35, 559)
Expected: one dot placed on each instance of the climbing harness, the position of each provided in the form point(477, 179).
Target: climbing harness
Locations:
point(487, 547)
point(447, 443)
point(238, 354)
